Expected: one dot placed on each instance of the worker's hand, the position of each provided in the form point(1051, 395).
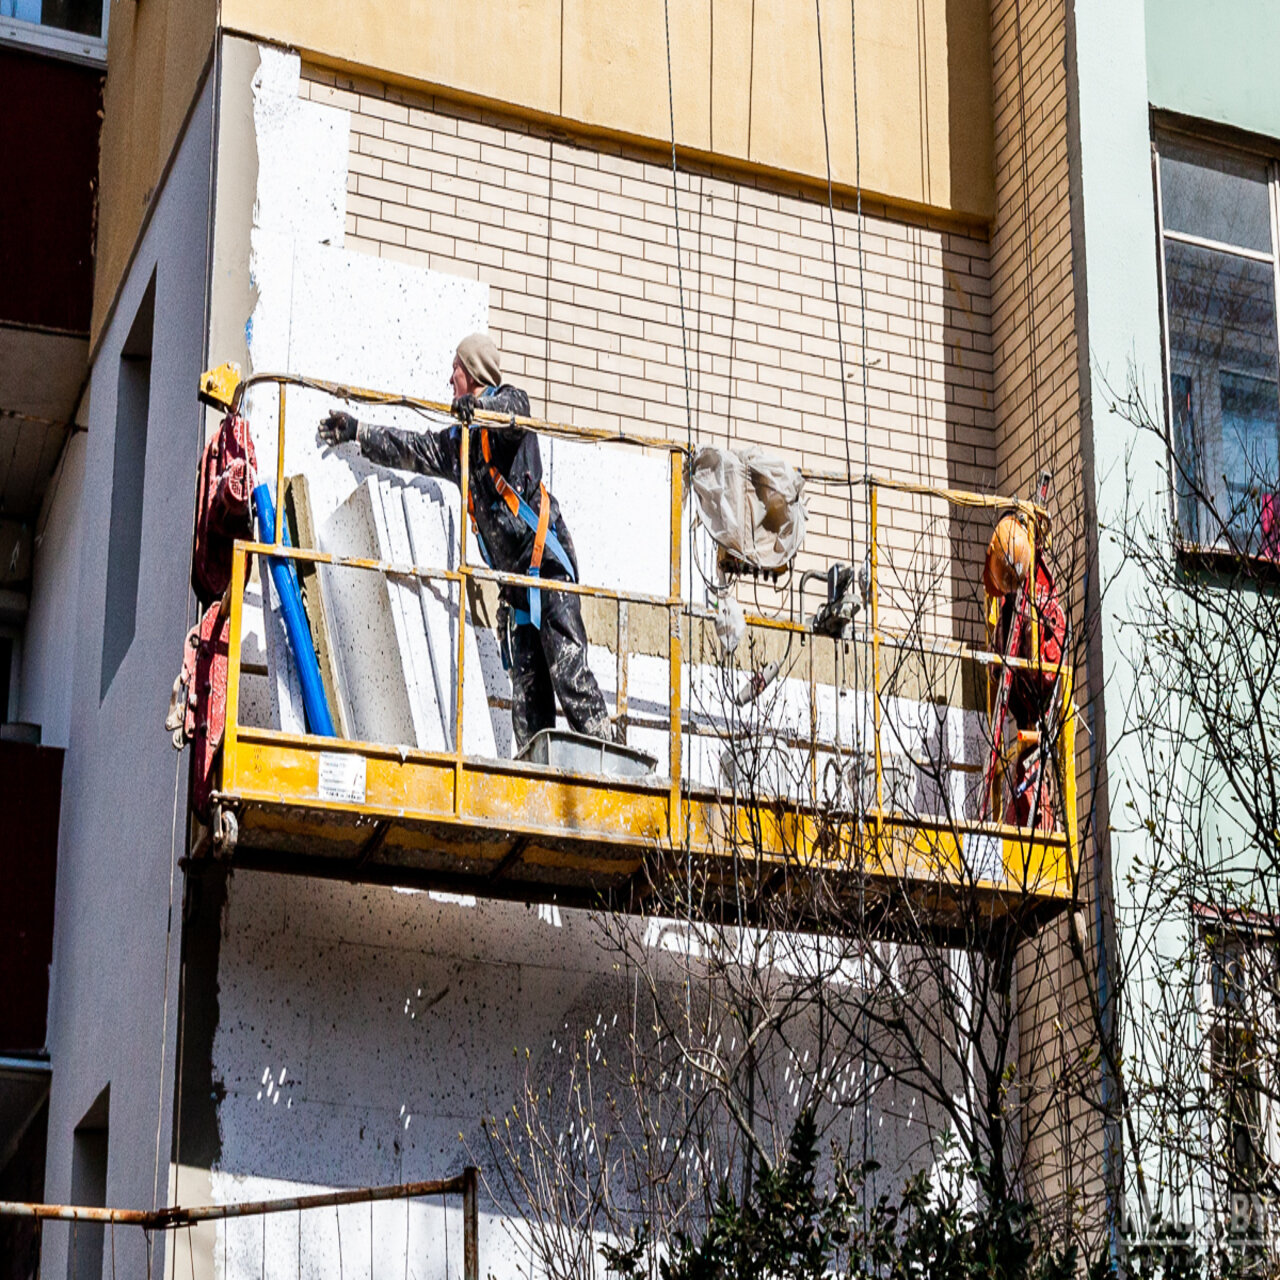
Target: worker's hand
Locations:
point(464, 408)
point(337, 428)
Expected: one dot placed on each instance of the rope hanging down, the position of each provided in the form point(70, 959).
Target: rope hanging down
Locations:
point(689, 452)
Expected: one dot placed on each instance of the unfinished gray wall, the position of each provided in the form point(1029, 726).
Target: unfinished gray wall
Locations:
point(113, 1001)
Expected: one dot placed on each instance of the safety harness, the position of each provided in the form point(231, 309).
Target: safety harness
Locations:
point(539, 522)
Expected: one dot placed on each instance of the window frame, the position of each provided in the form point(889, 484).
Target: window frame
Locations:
point(127, 504)
point(91, 51)
point(1252, 941)
point(1186, 133)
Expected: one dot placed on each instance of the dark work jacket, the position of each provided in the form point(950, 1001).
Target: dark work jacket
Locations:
point(507, 540)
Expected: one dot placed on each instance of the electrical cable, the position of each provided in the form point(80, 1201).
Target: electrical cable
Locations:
point(862, 275)
point(860, 726)
point(55, 483)
point(860, 720)
point(688, 407)
point(860, 733)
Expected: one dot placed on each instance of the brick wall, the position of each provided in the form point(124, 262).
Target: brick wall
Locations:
point(577, 242)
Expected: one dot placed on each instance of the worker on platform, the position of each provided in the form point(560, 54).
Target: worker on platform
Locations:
point(519, 528)
point(1018, 576)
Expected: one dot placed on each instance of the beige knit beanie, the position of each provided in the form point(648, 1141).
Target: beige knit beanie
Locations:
point(480, 359)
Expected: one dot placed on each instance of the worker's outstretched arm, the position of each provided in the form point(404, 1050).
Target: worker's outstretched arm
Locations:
point(429, 452)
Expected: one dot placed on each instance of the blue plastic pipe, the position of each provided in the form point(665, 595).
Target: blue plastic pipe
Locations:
point(314, 703)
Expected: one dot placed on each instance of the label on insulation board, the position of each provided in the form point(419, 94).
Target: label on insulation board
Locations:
point(984, 856)
point(342, 777)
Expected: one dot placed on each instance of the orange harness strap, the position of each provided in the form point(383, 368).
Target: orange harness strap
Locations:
point(540, 537)
point(507, 493)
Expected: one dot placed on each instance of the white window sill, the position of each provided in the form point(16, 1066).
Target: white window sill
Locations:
point(88, 50)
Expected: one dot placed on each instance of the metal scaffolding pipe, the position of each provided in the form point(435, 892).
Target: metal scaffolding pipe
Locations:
point(466, 1185)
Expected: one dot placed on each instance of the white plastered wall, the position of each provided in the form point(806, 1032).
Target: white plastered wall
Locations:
point(363, 1035)
point(323, 311)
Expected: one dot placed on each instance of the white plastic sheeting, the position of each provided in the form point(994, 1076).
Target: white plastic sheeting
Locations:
point(270, 694)
point(751, 504)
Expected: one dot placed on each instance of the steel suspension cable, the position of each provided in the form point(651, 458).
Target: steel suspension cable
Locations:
point(862, 275)
point(835, 269)
point(675, 200)
point(688, 612)
point(688, 402)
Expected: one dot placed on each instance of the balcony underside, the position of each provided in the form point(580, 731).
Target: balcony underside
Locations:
point(499, 828)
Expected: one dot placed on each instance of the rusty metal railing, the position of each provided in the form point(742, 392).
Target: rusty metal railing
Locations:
point(177, 1217)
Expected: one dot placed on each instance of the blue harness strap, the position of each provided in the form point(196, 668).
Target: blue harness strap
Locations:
point(530, 517)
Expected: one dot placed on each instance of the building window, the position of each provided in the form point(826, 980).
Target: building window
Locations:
point(74, 28)
point(128, 486)
point(1218, 211)
point(1243, 988)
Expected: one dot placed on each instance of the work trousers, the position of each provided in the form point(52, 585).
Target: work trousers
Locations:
point(551, 662)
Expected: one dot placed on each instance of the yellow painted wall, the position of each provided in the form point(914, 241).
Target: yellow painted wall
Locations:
point(155, 54)
point(745, 74)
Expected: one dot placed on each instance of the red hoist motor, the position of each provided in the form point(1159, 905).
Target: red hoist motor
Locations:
point(224, 512)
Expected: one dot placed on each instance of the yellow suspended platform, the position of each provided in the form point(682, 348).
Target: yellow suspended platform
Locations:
point(385, 814)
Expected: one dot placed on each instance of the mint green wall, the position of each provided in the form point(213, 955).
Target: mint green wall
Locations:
point(1218, 60)
point(1117, 283)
